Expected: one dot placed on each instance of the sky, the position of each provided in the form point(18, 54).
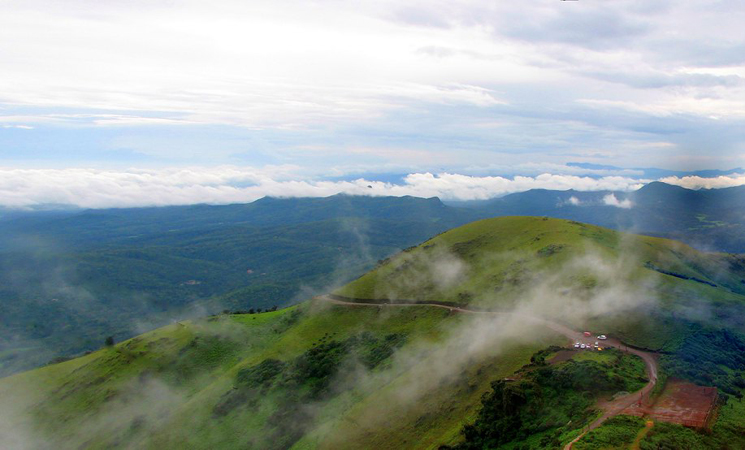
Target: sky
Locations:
point(173, 102)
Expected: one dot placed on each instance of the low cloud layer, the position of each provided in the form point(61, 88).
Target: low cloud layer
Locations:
point(612, 200)
point(92, 188)
point(694, 182)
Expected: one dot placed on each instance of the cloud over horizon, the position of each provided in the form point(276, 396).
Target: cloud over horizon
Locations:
point(110, 188)
point(96, 188)
point(697, 182)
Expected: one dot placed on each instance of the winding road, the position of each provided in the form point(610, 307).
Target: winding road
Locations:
point(610, 408)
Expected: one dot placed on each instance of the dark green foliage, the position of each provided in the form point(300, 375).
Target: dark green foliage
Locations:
point(261, 374)
point(539, 358)
point(500, 419)
point(649, 265)
point(615, 432)
point(549, 250)
point(581, 376)
point(666, 436)
point(373, 352)
point(249, 311)
point(548, 399)
point(704, 358)
point(307, 378)
point(314, 368)
point(109, 341)
point(463, 249)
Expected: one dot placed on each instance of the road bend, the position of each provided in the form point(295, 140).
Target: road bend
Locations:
point(610, 409)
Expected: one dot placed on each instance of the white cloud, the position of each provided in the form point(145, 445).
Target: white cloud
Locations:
point(611, 200)
point(540, 82)
point(694, 182)
point(262, 64)
point(251, 64)
point(574, 201)
point(94, 188)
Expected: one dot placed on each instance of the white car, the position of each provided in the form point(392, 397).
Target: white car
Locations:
point(602, 337)
point(582, 346)
point(576, 345)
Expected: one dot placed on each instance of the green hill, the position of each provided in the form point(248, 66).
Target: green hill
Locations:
point(321, 375)
point(585, 275)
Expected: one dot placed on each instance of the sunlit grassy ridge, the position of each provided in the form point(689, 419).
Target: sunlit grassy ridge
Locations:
point(323, 376)
point(503, 255)
point(556, 265)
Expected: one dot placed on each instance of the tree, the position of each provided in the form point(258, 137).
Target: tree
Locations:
point(109, 341)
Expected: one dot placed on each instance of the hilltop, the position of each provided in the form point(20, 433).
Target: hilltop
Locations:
point(707, 218)
point(320, 375)
point(579, 272)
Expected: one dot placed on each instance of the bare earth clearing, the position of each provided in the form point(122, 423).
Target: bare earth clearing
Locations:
point(682, 403)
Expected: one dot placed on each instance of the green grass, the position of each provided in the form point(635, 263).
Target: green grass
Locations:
point(163, 389)
point(434, 417)
point(506, 262)
point(160, 390)
point(728, 432)
point(604, 357)
point(549, 404)
point(616, 433)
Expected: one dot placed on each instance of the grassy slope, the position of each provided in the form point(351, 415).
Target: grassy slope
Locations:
point(160, 389)
point(504, 259)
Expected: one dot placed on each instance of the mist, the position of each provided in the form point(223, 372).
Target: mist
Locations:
point(469, 341)
point(594, 286)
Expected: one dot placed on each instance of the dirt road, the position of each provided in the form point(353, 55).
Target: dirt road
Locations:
point(610, 408)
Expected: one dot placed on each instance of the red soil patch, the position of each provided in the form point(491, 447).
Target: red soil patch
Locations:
point(682, 403)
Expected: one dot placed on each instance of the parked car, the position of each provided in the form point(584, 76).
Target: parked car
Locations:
point(576, 345)
point(582, 346)
point(602, 337)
